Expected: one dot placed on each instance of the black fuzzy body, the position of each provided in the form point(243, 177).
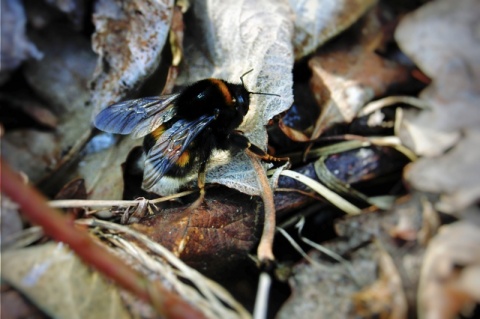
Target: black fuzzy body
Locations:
point(227, 102)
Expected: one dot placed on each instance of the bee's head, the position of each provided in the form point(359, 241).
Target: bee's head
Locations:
point(240, 98)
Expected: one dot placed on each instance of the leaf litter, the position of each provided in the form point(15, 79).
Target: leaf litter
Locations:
point(360, 80)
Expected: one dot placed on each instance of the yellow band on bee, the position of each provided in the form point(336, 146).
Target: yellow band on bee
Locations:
point(224, 89)
point(183, 159)
point(158, 132)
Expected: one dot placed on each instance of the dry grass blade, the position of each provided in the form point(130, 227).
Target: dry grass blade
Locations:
point(209, 296)
point(69, 203)
point(391, 101)
point(332, 197)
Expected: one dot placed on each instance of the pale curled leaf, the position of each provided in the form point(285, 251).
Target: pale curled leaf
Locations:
point(450, 276)
point(229, 39)
point(129, 39)
point(439, 33)
point(316, 21)
point(455, 175)
point(60, 284)
point(439, 38)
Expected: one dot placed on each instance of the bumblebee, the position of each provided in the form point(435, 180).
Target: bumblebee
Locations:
point(183, 131)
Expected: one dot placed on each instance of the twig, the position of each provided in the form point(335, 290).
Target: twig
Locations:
point(61, 228)
point(265, 247)
point(69, 203)
point(261, 304)
point(265, 250)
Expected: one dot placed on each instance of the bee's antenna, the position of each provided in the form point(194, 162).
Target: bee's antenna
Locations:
point(262, 93)
point(241, 78)
point(259, 93)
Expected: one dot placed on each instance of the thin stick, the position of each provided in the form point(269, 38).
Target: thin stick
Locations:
point(61, 228)
point(261, 300)
point(72, 203)
point(265, 247)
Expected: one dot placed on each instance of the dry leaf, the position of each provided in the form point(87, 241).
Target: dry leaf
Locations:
point(74, 189)
point(316, 21)
point(450, 277)
point(439, 38)
point(29, 108)
point(385, 298)
point(16, 47)
point(455, 175)
point(129, 39)
point(61, 77)
point(348, 74)
point(102, 170)
point(10, 221)
point(74, 9)
point(225, 40)
point(324, 290)
point(60, 284)
point(436, 35)
point(31, 152)
point(15, 305)
point(212, 238)
point(62, 83)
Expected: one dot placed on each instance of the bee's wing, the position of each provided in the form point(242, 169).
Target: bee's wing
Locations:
point(170, 146)
point(137, 117)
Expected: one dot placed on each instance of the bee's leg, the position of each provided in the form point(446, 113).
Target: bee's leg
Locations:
point(201, 185)
point(242, 142)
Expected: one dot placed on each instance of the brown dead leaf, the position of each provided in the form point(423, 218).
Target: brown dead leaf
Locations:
point(316, 21)
point(450, 277)
point(75, 189)
point(211, 238)
point(385, 298)
point(348, 74)
point(129, 39)
point(60, 284)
